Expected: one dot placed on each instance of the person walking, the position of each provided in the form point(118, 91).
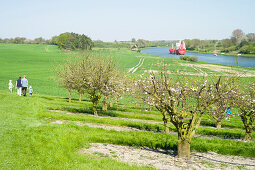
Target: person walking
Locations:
point(30, 91)
point(19, 86)
point(10, 86)
point(24, 83)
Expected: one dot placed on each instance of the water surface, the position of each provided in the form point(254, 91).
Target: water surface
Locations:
point(209, 58)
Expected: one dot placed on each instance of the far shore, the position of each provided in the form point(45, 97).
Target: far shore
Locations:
point(226, 54)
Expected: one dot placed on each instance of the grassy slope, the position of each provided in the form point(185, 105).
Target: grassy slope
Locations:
point(26, 138)
point(36, 62)
point(33, 61)
point(29, 142)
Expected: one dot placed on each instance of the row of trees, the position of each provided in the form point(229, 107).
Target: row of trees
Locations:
point(23, 40)
point(238, 42)
point(183, 101)
point(92, 74)
point(70, 41)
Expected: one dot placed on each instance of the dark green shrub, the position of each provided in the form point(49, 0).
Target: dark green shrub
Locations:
point(194, 58)
point(187, 58)
point(184, 58)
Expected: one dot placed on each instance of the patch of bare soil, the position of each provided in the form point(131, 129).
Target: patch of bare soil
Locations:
point(219, 68)
point(199, 73)
point(96, 125)
point(162, 159)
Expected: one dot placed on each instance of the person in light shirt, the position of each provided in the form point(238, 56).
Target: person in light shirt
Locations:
point(10, 86)
point(24, 83)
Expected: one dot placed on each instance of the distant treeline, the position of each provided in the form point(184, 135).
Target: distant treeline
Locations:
point(71, 41)
point(76, 41)
point(23, 40)
point(141, 43)
point(239, 42)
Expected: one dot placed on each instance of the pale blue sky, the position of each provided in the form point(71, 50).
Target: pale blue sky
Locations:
point(110, 20)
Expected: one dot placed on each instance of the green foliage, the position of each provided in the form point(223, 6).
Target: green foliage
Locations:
point(238, 43)
point(73, 41)
point(247, 49)
point(187, 58)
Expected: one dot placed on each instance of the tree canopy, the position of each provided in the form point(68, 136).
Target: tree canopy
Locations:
point(73, 41)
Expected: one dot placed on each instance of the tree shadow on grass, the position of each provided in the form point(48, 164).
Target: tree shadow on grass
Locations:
point(220, 161)
point(89, 111)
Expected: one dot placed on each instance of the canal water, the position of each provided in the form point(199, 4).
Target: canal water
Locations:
point(209, 58)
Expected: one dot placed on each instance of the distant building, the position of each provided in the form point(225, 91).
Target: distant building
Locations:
point(134, 47)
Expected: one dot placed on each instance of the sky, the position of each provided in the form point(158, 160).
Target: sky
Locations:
point(110, 20)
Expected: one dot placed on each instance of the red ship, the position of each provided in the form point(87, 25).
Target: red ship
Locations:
point(179, 50)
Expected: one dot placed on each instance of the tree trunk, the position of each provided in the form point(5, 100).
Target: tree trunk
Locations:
point(248, 127)
point(70, 97)
point(117, 101)
point(150, 107)
point(248, 133)
point(218, 124)
point(166, 126)
point(248, 136)
point(105, 104)
point(111, 104)
point(95, 109)
point(165, 123)
point(80, 98)
point(183, 149)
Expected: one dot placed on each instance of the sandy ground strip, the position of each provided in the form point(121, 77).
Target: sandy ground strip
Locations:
point(219, 68)
point(97, 125)
point(133, 69)
point(162, 159)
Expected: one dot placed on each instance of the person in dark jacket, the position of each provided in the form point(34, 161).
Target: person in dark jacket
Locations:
point(19, 86)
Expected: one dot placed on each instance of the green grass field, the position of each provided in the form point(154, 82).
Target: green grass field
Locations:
point(28, 139)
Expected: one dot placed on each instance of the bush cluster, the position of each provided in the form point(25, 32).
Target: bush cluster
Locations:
point(187, 58)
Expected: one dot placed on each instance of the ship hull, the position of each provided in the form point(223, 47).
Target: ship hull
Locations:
point(177, 52)
point(172, 50)
point(180, 52)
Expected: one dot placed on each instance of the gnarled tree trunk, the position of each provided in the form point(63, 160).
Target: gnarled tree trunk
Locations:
point(218, 124)
point(104, 103)
point(80, 98)
point(150, 108)
point(165, 123)
point(111, 104)
point(95, 108)
point(183, 148)
point(117, 100)
point(248, 135)
point(248, 127)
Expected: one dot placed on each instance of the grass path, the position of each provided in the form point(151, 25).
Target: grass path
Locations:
point(108, 126)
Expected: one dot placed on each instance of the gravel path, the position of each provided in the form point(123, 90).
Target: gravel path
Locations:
point(162, 159)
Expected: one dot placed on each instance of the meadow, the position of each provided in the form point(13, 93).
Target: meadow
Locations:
point(29, 138)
